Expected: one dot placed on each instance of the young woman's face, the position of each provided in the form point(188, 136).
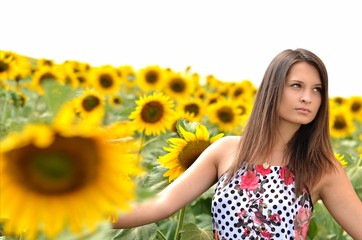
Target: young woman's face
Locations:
point(301, 97)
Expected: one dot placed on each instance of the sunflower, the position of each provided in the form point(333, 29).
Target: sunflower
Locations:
point(13, 66)
point(153, 114)
point(185, 149)
point(341, 121)
point(44, 62)
point(115, 101)
point(192, 106)
point(84, 79)
point(242, 90)
point(68, 183)
point(90, 106)
point(45, 74)
point(70, 76)
point(18, 99)
point(150, 78)
point(178, 85)
point(245, 106)
point(105, 80)
point(76, 66)
point(181, 115)
point(201, 93)
point(213, 82)
point(226, 114)
point(355, 106)
point(213, 97)
point(338, 101)
point(128, 75)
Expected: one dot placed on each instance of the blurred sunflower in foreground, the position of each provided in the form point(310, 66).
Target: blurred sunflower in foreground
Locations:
point(53, 183)
point(193, 139)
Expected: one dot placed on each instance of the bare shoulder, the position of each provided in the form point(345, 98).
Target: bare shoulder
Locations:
point(331, 180)
point(226, 144)
point(224, 150)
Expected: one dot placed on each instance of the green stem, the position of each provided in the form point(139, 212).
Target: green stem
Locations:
point(180, 222)
point(143, 138)
point(5, 103)
point(161, 234)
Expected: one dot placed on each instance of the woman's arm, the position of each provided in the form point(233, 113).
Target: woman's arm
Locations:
point(191, 184)
point(341, 200)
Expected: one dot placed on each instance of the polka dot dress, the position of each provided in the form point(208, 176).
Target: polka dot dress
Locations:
point(260, 203)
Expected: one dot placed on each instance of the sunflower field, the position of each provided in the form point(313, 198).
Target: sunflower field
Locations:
point(81, 143)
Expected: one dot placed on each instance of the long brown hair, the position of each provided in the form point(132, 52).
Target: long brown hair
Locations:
point(309, 151)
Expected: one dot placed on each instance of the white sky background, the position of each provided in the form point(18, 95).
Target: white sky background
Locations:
point(231, 39)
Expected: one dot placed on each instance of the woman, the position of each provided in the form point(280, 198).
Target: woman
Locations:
point(269, 178)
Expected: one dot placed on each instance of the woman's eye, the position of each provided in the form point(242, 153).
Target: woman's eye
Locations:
point(318, 89)
point(296, 85)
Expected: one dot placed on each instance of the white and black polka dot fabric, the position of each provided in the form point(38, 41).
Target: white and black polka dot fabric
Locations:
point(260, 203)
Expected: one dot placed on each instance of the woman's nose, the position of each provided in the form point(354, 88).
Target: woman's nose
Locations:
point(305, 98)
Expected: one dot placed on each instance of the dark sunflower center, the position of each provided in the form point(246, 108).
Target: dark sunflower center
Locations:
point(177, 85)
point(53, 167)
point(151, 77)
point(152, 112)
point(338, 100)
point(339, 123)
point(117, 100)
point(3, 66)
point(238, 92)
point(68, 80)
point(81, 79)
point(90, 102)
point(225, 114)
point(191, 152)
point(201, 96)
point(192, 108)
point(48, 63)
point(212, 101)
point(20, 100)
point(63, 167)
point(106, 80)
point(356, 107)
point(47, 77)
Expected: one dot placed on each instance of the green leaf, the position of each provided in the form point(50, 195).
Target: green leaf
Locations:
point(191, 232)
point(56, 95)
point(188, 126)
point(148, 232)
point(154, 181)
point(355, 175)
point(168, 227)
point(323, 225)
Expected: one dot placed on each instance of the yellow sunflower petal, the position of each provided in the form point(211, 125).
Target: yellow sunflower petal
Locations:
point(188, 136)
point(177, 141)
point(202, 133)
point(214, 138)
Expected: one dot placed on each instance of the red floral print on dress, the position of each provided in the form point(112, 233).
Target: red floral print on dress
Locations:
point(286, 175)
point(262, 170)
point(265, 233)
point(249, 181)
point(301, 223)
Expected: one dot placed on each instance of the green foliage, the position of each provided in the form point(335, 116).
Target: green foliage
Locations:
point(140, 233)
point(192, 232)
